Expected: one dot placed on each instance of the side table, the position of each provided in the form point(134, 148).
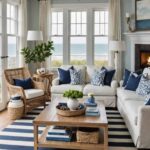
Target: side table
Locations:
point(47, 79)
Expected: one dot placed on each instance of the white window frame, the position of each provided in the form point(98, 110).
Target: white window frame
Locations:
point(105, 9)
point(89, 7)
point(16, 34)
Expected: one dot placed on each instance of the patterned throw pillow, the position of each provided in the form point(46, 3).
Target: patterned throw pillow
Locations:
point(75, 76)
point(147, 100)
point(98, 77)
point(144, 86)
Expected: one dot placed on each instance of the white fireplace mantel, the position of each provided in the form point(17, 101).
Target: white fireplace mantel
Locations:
point(141, 37)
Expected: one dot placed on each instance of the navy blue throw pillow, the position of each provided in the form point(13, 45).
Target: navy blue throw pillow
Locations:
point(133, 82)
point(126, 77)
point(64, 76)
point(24, 83)
point(108, 76)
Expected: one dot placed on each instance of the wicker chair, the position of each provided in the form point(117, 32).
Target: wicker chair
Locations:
point(31, 100)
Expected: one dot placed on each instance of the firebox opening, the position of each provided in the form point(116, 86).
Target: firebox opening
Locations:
point(144, 59)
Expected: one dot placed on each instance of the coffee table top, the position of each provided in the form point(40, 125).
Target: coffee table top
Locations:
point(49, 117)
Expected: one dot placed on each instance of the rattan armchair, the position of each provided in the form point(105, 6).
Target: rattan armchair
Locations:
point(23, 73)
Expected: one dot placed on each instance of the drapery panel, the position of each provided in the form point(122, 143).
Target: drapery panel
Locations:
point(115, 32)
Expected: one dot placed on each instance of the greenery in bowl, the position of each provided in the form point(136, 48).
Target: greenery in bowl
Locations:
point(73, 94)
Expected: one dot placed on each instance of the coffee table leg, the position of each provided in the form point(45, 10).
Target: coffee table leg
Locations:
point(35, 137)
point(106, 138)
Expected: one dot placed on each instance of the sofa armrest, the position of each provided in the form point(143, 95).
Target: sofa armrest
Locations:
point(144, 127)
point(55, 81)
point(121, 83)
point(114, 84)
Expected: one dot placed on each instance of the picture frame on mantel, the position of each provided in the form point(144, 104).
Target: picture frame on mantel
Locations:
point(142, 15)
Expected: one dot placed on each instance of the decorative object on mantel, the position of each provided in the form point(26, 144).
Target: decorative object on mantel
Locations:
point(128, 19)
point(117, 47)
point(142, 15)
point(73, 95)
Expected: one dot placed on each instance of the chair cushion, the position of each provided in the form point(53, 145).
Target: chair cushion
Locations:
point(24, 83)
point(131, 108)
point(32, 93)
point(60, 89)
point(99, 90)
point(128, 95)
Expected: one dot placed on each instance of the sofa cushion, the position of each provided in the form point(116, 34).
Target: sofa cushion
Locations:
point(98, 77)
point(90, 70)
point(126, 77)
point(147, 100)
point(99, 90)
point(60, 89)
point(32, 93)
point(133, 82)
point(77, 67)
point(131, 108)
point(108, 76)
point(128, 95)
point(144, 86)
point(75, 76)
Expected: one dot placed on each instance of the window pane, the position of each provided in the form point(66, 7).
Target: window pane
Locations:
point(8, 10)
point(102, 29)
point(54, 17)
point(106, 16)
point(60, 17)
point(78, 50)
point(97, 17)
point(13, 12)
point(97, 29)
point(83, 17)
point(12, 51)
point(13, 27)
point(57, 57)
point(54, 29)
point(102, 16)
point(78, 23)
point(73, 17)
point(78, 17)
point(101, 51)
point(60, 29)
point(8, 26)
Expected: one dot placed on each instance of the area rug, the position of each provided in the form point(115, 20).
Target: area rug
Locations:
point(19, 135)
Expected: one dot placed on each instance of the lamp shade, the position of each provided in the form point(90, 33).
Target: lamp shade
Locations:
point(117, 46)
point(34, 36)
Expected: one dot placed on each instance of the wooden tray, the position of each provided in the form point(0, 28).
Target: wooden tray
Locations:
point(71, 113)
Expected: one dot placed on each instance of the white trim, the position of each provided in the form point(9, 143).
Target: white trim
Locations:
point(82, 5)
point(14, 2)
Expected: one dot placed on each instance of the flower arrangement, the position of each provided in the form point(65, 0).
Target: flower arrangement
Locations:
point(73, 94)
point(90, 94)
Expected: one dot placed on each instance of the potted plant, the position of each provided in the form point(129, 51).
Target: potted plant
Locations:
point(73, 96)
point(38, 54)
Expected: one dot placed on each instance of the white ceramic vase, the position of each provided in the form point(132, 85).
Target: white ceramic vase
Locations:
point(72, 104)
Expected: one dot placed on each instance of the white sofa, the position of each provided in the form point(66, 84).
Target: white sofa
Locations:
point(136, 115)
point(105, 93)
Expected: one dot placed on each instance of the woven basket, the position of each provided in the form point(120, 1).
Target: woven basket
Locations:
point(15, 113)
point(88, 135)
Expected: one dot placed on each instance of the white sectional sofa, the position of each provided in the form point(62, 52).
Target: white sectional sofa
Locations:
point(105, 93)
point(136, 115)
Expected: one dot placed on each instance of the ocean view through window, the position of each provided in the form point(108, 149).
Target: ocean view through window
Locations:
point(73, 42)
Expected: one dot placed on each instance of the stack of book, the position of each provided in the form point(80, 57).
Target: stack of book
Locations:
point(92, 111)
point(56, 133)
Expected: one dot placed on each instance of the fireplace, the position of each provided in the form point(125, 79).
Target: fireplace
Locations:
point(142, 56)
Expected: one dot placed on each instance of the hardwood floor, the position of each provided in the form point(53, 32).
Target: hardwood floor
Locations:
point(4, 119)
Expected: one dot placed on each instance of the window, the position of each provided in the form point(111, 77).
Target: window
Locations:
point(57, 38)
point(100, 38)
point(78, 32)
point(12, 34)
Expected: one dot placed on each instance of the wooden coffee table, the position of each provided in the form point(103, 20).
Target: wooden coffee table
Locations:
point(49, 117)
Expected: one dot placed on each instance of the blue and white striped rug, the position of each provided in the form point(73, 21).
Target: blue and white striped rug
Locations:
point(19, 135)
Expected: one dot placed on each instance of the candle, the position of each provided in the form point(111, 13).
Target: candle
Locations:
point(127, 15)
